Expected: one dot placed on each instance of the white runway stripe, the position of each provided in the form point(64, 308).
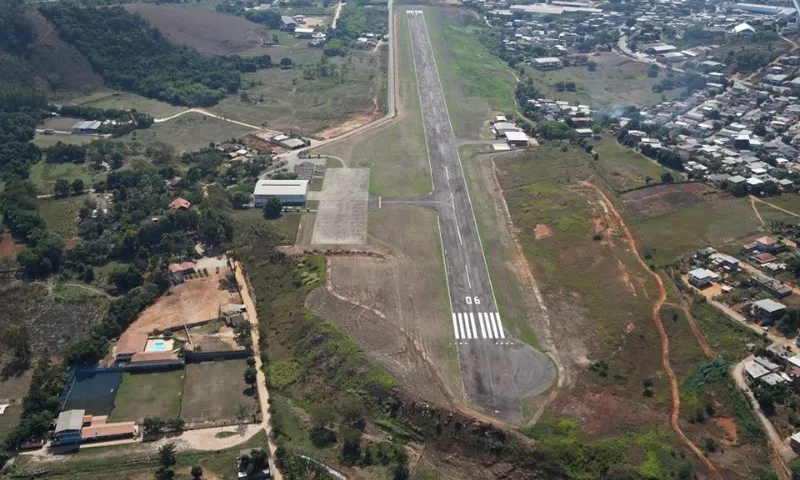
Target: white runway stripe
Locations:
point(500, 326)
point(455, 326)
point(466, 325)
point(494, 326)
point(483, 328)
point(488, 326)
point(461, 325)
point(472, 322)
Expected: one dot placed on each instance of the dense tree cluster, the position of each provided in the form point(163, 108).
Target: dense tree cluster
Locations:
point(16, 31)
point(133, 55)
point(20, 109)
point(40, 406)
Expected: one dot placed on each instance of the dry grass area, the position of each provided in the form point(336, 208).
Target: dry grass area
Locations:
point(196, 300)
point(55, 315)
point(209, 33)
point(663, 199)
point(405, 326)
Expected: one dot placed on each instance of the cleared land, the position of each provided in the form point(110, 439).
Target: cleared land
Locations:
point(406, 329)
point(188, 132)
point(478, 83)
point(153, 394)
point(678, 219)
point(127, 101)
point(44, 175)
point(209, 33)
point(617, 81)
point(61, 215)
point(214, 390)
point(195, 300)
point(55, 317)
point(306, 99)
point(342, 214)
point(398, 149)
point(622, 168)
point(13, 389)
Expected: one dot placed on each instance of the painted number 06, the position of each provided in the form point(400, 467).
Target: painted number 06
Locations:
point(473, 300)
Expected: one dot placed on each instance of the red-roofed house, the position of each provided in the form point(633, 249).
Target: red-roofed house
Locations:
point(178, 271)
point(180, 204)
point(129, 344)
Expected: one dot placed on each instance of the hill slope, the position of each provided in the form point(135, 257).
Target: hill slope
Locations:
point(50, 63)
point(207, 32)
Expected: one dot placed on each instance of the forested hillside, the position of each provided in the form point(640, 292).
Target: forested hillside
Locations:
point(132, 55)
point(16, 32)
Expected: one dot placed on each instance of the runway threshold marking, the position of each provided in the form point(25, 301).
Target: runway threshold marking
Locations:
point(465, 327)
point(455, 327)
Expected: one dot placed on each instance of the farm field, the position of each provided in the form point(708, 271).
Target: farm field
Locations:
point(188, 132)
point(406, 294)
point(398, 150)
point(151, 394)
point(617, 81)
point(479, 84)
point(214, 390)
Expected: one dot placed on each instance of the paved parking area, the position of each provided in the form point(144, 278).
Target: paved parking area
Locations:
point(342, 212)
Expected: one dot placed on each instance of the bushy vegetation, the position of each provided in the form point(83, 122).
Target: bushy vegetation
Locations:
point(20, 109)
point(16, 32)
point(40, 406)
point(132, 55)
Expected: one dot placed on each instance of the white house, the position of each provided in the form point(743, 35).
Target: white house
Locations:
point(289, 192)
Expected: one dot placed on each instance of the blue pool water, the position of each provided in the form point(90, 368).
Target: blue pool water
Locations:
point(159, 346)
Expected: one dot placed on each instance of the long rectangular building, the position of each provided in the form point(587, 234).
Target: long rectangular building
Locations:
point(289, 192)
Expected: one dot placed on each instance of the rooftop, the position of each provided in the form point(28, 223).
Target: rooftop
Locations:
point(769, 305)
point(281, 187)
point(70, 420)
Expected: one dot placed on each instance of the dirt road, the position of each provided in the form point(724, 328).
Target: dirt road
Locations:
point(696, 330)
point(263, 394)
point(789, 212)
point(781, 453)
point(662, 297)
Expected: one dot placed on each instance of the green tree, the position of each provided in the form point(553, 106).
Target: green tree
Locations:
point(126, 277)
point(273, 208)
point(652, 71)
point(667, 177)
point(286, 63)
point(351, 446)
point(16, 339)
point(250, 376)
point(240, 199)
point(77, 186)
point(61, 188)
point(166, 455)
point(197, 472)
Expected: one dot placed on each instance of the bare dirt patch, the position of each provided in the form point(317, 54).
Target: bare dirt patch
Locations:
point(542, 231)
point(9, 248)
point(663, 199)
point(196, 300)
point(731, 431)
point(357, 120)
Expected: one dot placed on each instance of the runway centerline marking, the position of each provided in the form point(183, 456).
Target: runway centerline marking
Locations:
point(466, 267)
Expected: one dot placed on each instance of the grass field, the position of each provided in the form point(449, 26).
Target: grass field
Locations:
point(136, 463)
point(617, 81)
point(127, 101)
point(288, 225)
point(289, 100)
point(44, 141)
point(44, 175)
point(188, 132)
point(61, 215)
point(214, 390)
point(623, 168)
point(398, 150)
point(13, 389)
point(154, 394)
point(478, 83)
point(714, 222)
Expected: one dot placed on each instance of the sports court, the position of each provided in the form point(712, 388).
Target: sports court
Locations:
point(342, 213)
point(93, 390)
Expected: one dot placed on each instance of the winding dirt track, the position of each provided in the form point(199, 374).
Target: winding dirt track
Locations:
point(662, 297)
point(696, 330)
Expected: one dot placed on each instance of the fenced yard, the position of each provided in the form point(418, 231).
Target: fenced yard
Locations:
point(153, 394)
point(214, 391)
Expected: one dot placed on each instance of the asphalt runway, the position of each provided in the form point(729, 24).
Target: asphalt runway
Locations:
point(498, 371)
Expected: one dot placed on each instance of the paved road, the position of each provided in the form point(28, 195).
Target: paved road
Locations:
point(497, 370)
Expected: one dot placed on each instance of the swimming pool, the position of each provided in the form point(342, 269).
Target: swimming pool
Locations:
point(159, 346)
